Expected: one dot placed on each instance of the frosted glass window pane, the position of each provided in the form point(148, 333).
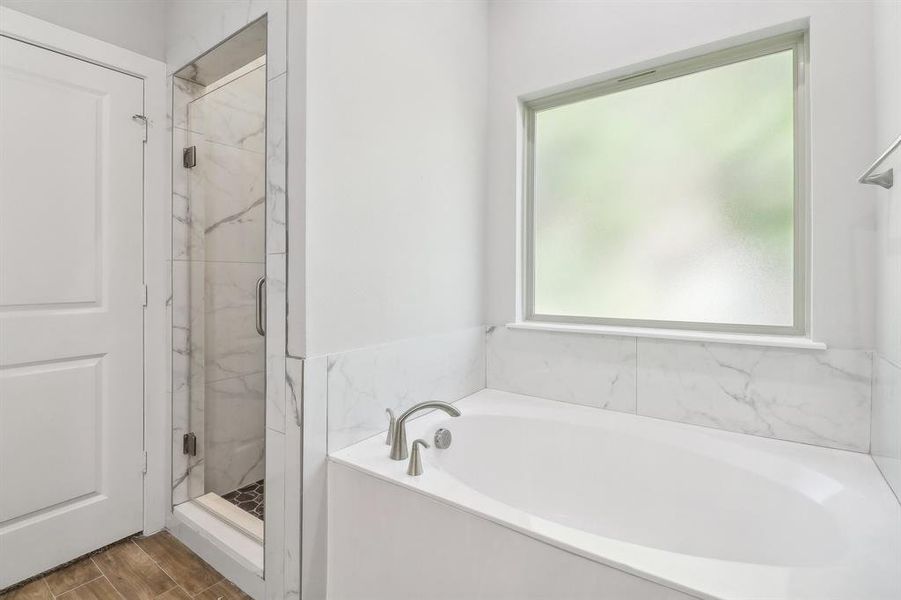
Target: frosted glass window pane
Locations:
point(673, 201)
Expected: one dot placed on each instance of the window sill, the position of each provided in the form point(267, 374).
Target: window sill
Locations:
point(743, 339)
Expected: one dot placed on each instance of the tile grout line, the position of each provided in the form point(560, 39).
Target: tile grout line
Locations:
point(205, 589)
point(108, 580)
point(160, 567)
point(105, 576)
point(102, 574)
point(43, 575)
point(112, 585)
point(81, 585)
point(177, 585)
point(170, 589)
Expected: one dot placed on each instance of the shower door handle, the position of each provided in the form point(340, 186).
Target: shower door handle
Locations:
point(261, 328)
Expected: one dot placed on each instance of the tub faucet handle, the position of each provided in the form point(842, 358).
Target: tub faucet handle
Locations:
point(415, 466)
point(399, 443)
point(392, 424)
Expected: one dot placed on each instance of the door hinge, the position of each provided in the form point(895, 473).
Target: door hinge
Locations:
point(144, 464)
point(189, 444)
point(145, 294)
point(189, 157)
point(143, 120)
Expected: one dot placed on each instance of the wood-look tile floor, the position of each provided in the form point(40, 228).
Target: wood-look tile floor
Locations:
point(157, 567)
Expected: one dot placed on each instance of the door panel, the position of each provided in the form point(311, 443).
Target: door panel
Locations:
point(30, 228)
point(71, 283)
point(59, 401)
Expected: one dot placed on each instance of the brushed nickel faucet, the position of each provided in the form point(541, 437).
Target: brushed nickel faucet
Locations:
point(392, 423)
point(399, 440)
point(415, 466)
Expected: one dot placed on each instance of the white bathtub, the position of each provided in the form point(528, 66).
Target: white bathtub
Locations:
point(709, 513)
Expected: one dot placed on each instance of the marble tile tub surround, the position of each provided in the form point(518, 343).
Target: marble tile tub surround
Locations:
point(591, 370)
point(362, 383)
point(819, 397)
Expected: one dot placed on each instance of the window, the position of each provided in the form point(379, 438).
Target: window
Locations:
point(672, 197)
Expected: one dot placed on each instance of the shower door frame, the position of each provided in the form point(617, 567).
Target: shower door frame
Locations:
point(191, 312)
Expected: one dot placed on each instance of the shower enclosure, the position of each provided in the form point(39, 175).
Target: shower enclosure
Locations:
point(218, 270)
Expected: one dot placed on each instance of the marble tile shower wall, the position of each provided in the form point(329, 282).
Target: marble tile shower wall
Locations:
point(816, 397)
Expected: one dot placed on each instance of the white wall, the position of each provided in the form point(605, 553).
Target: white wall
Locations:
point(138, 25)
point(535, 45)
point(395, 170)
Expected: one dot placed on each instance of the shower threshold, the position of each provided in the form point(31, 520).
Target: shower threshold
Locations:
point(216, 539)
point(229, 512)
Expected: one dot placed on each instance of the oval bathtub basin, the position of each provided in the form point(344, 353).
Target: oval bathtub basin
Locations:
point(712, 513)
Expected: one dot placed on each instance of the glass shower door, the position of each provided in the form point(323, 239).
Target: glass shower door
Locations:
point(220, 373)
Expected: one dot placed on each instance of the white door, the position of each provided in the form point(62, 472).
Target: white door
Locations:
point(71, 297)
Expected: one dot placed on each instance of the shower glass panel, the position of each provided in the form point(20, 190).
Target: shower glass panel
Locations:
point(219, 193)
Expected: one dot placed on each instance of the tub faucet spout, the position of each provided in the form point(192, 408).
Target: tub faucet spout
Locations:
point(399, 443)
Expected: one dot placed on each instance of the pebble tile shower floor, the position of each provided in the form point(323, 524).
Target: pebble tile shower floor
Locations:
point(249, 498)
point(157, 567)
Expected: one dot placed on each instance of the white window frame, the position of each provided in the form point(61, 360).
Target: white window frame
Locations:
point(797, 42)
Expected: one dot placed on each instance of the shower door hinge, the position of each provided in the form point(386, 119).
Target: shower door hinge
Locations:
point(189, 444)
point(189, 157)
point(144, 464)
